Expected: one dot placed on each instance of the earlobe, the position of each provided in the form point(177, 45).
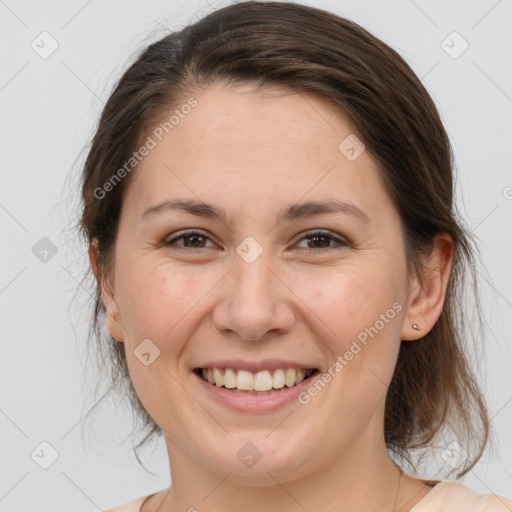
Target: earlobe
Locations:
point(113, 317)
point(114, 327)
point(426, 298)
point(107, 296)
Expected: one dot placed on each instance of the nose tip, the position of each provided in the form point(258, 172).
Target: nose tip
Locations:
point(254, 302)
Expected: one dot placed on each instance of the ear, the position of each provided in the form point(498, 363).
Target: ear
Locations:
point(427, 293)
point(113, 319)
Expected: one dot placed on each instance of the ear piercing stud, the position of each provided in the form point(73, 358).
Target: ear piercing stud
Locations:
point(416, 327)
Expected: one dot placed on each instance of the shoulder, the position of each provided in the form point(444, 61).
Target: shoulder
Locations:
point(130, 506)
point(453, 496)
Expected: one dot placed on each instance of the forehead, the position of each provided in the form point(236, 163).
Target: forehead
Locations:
point(254, 145)
point(270, 115)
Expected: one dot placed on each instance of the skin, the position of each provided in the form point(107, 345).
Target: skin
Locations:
point(253, 152)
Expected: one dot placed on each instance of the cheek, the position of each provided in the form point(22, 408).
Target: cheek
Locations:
point(361, 305)
point(156, 299)
point(158, 303)
point(351, 297)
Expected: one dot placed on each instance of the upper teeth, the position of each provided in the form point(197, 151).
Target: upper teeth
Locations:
point(260, 381)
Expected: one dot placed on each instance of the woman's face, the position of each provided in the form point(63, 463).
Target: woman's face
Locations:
point(254, 288)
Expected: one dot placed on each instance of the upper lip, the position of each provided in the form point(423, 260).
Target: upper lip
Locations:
point(254, 366)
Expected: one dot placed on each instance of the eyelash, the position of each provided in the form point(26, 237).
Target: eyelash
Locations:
point(310, 234)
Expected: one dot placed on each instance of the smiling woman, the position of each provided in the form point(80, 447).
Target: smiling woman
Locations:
point(282, 271)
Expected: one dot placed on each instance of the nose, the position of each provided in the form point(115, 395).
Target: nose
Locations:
point(255, 302)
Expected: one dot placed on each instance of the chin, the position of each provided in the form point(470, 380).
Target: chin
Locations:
point(260, 459)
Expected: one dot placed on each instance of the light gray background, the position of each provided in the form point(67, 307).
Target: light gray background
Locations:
point(49, 108)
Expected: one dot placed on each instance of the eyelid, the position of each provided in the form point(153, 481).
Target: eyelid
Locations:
point(319, 231)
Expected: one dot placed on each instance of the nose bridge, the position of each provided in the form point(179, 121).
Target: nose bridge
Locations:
point(253, 282)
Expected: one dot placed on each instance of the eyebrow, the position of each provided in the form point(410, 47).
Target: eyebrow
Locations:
point(288, 213)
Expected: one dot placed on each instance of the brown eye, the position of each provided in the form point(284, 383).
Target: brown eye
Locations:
point(192, 240)
point(318, 240)
point(315, 241)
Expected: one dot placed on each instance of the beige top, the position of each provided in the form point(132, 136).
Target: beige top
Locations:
point(446, 496)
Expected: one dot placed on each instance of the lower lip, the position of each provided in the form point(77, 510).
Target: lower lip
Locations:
point(255, 403)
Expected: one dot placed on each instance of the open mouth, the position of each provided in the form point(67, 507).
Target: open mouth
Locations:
point(260, 383)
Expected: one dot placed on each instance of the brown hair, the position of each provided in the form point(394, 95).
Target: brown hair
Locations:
point(310, 50)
